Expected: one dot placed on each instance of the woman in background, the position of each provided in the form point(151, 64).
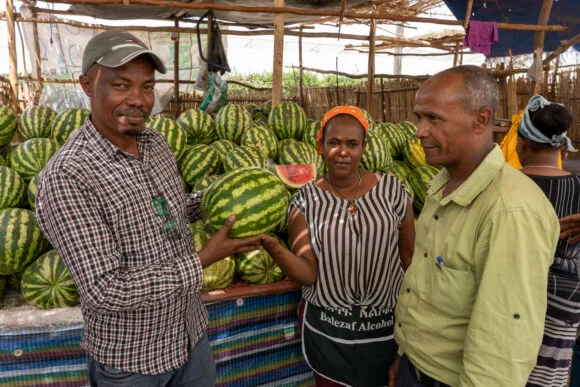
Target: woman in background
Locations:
point(541, 138)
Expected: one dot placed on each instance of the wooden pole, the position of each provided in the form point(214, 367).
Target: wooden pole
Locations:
point(539, 40)
point(467, 14)
point(555, 77)
point(176, 65)
point(371, 67)
point(278, 55)
point(301, 70)
point(386, 16)
point(37, 58)
point(456, 54)
point(384, 119)
point(563, 47)
point(12, 57)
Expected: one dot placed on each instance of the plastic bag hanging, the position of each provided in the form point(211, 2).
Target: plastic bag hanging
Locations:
point(217, 59)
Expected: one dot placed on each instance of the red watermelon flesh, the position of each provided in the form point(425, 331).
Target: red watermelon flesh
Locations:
point(296, 175)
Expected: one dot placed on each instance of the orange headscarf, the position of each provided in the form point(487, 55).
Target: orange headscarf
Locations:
point(349, 110)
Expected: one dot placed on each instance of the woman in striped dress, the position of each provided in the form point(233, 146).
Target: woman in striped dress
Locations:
point(351, 235)
point(542, 135)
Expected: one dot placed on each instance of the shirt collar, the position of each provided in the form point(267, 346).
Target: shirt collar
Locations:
point(483, 175)
point(103, 145)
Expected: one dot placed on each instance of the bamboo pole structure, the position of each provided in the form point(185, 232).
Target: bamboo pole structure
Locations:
point(467, 14)
point(311, 12)
point(13, 63)
point(278, 55)
point(37, 58)
point(371, 66)
point(561, 49)
point(539, 39)
point(176, 64)
point(301, 71)
point(361, 76)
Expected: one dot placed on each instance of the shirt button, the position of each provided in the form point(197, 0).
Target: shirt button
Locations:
point(425, 254)
point(400, 325)
point(436, 217)
point(517, 316)
point(408, 290)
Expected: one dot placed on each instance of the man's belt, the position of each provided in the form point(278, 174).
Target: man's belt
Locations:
point(425, 379)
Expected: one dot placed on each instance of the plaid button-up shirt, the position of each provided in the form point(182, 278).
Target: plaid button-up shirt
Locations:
point(139, 284)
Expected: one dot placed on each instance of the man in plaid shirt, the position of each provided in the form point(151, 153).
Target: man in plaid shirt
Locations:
point(111, 203)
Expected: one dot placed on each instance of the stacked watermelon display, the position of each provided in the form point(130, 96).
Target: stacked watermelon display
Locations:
point(42, 278)
point(247, 159)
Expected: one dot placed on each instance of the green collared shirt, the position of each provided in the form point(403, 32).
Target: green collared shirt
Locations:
point(477, 318)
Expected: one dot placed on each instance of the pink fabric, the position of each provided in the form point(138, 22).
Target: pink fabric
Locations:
point(480, 35)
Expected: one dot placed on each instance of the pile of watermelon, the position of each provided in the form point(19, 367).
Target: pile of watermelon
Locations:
point(248, 160)
point(26, 264)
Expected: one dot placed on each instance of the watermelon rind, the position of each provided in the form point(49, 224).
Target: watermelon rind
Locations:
point(232, 121)
point(287, 120)
point(198, 125)
point(8, 124)
point(243, 157)
point(198, 162)
point(66, 122)
point(258, 267)
point(31, 156)
point(35, 122)
point(296, 175)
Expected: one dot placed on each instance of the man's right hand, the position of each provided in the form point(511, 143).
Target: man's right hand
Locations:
point(220, 245)
point(570, 226)
point(393, 371)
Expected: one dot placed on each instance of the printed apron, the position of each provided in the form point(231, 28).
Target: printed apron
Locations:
point(353, 347)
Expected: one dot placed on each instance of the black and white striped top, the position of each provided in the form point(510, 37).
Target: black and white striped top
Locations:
point(564, 194)
point(358, 256)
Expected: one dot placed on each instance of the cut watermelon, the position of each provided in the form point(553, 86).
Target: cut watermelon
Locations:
point(296, 175)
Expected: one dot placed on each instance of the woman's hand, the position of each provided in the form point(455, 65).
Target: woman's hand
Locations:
point(570, 227)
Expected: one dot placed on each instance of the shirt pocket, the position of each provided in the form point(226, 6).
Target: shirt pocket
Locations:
point(454, 291)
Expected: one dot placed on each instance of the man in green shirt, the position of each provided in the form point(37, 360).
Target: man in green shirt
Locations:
point(472, 304)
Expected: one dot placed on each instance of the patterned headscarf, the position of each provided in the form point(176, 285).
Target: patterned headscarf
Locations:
point(527, 129)
point(352, 111)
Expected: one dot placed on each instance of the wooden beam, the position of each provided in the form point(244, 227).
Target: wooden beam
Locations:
point(362, 76)
point(12, 57)
point(311, 12)
point(456, 54)
point(566, 44)
point(301, 70)
point(277, 71)
point(386, 91)
point(467, 14)
point(176, 64)
point(371, 65)
point(539, 41)
point(411, 53)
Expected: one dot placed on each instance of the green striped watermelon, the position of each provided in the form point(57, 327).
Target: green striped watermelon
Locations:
point(31, 156)
point(7, 125)
point(174, 134)
point(258, 267)
point(413, 152)
point(7, 153)
point(218, 275)
point(12, 188)
point(396, 139)
point(408, 128)
point(310, 132)
point(232, 121)
point(287, 120)
point(376, 156)
point(21, 240)
point(198, 125)
point(14, 280)
point(267, 107)
point(368, 117)
point(203, 183)
point(301, 153)
point(2, 161)
point(47, 283)
point(257, 198)
point(35, 122)
point(244, 156)
point(401, 171)
point(419, 180)
point(198, 162)
point(223, 147)
point(66, 122)
point(251, 107)
point(31, 191)
point(260, 116)
point(262, 139)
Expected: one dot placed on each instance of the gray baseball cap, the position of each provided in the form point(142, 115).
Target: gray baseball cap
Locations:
point(114, 48)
